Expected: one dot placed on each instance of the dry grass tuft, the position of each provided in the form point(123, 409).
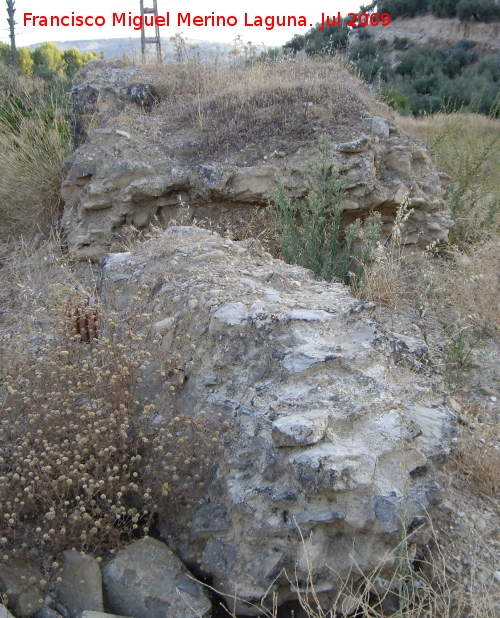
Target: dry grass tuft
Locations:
point(388, 278)
point(422, 586)
point(458, 138)
point(262, 101)
point(34, 139)
point(479, 459)
point(467, 147)
point(475, 302)
point(85, 459)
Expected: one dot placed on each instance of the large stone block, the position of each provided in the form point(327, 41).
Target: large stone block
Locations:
point(326, 413)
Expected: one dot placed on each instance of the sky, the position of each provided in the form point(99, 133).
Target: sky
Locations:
point(311, 9)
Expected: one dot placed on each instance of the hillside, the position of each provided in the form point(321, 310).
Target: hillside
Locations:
point(429, 29)
point(425, 64)
point(120, 47)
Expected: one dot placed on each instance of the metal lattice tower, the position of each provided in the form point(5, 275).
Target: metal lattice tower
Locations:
point(152, 40)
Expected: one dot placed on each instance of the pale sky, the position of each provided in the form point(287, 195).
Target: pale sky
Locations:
point(310, 9)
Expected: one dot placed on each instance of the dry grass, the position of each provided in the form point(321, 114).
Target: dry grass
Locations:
point(421, 587)
point(34, 139)
point(480, 461)
point(239, 103)
point(458, 138)
point(83, 458)
point(388, 278)
point(467, 147)
point(475, 301)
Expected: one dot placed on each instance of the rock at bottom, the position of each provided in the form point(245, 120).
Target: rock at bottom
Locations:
point(81, 585)
point(147, 579)
point(91, 614)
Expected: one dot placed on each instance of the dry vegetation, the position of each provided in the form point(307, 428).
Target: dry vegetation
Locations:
point(34, 139)
point(467, 147)
point(82, 462)
point(235, 104)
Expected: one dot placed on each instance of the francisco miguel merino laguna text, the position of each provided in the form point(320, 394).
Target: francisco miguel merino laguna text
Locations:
point(183, 19)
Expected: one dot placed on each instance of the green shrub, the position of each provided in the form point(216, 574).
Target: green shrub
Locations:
point(310, 229)
point(444, 8)
point(401, 43)
point(396, 99)
point(479, 10)
point(330, 40)
point(403, 8)
point(369, 62)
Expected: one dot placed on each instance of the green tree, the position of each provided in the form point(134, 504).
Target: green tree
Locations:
point(24, 61)
point(402, 8)
point(48, 60)
point(92, 56)
point(5, 53)
point(480, 10)
point(367, 58)
point(444, 8)
point(73, 60)
point(329, 40)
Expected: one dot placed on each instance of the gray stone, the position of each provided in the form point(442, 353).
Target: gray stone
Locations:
point(357, 145)
point(211, 518)
point(331, 469)
point(147, 579)
point(308, 316)
point(316, 434)
point(231, 314)
point(220, 558)
point(4, 612)
point(81, 585)
point(209, 380)
point(399, 162)
point(90, 614)
point(21, 580)
point(319, 517)
point(253, 184)
point(379, 127)
point(304, 357)
point(48, 612)
point(300, 429)
point(144, 95)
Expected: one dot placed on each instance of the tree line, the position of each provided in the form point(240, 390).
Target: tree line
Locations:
point(46, 60)
point(478, 10)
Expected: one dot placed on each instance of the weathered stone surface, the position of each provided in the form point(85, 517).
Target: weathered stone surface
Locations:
point(378, 127)
point(357, 145)
point(90, 614)
point(121, 175)
point(300, 429)
point(48, 612)
point(329, 413)
point(23, 583)
point(147, 579)
point(4, 612)
point(81, 585)
point(144, 95)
